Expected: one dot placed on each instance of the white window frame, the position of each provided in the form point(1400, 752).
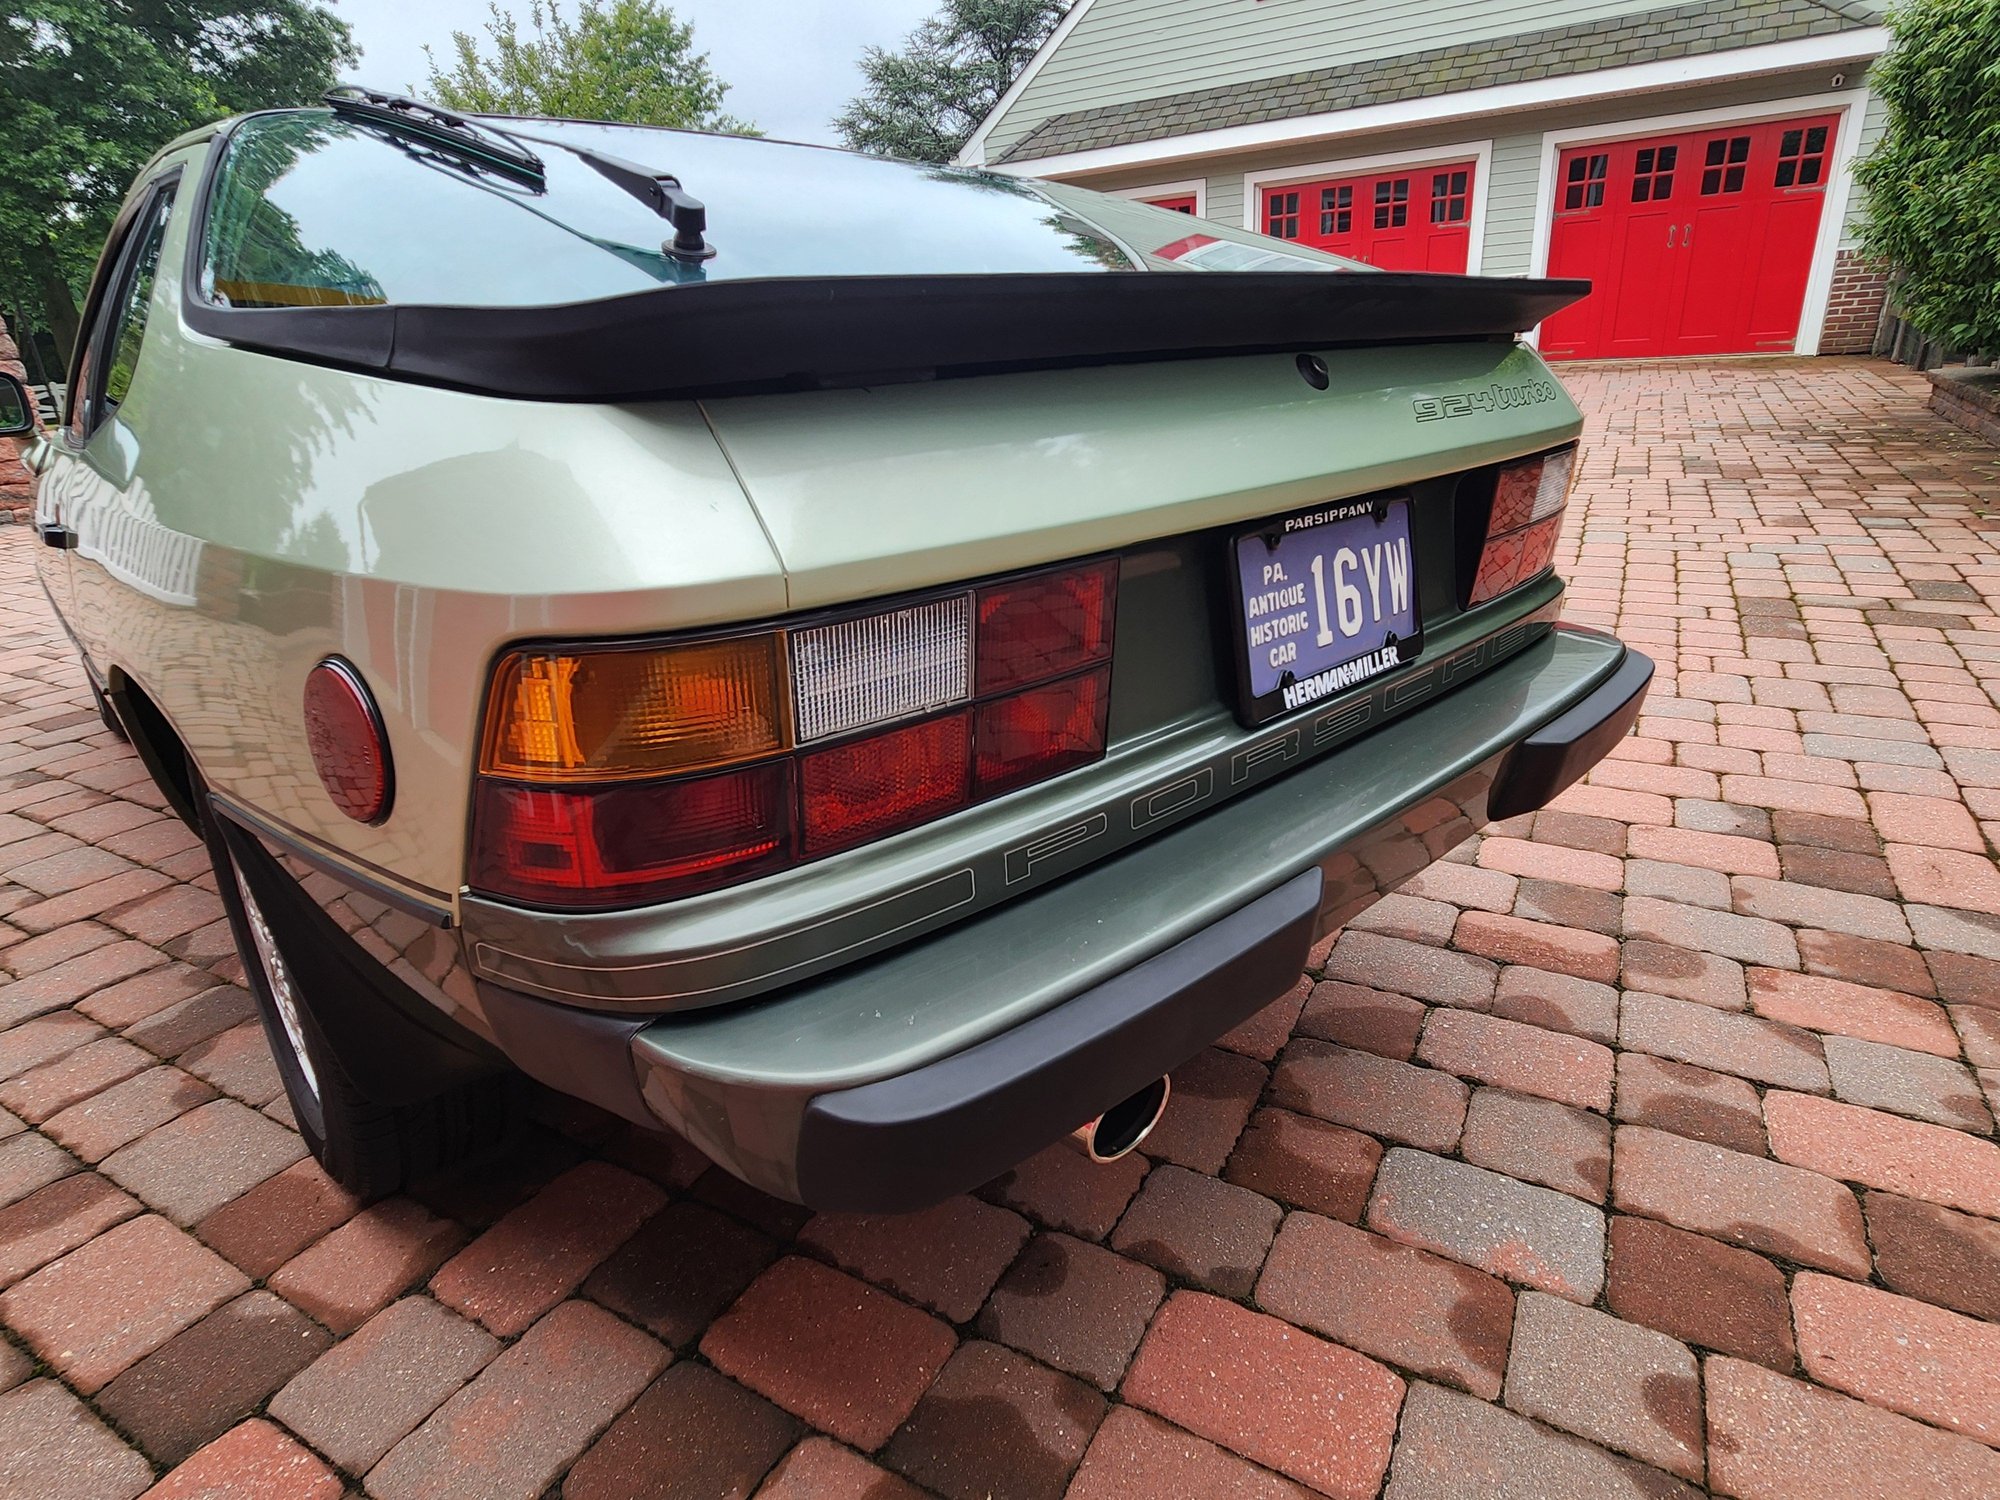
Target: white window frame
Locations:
point(1194, 187)
point(1850, 104)
point(1479, 153)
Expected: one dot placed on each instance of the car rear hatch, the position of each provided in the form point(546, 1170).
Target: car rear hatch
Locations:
point(1164, 462)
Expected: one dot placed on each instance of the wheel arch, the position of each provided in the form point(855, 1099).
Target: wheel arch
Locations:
point(159, 745)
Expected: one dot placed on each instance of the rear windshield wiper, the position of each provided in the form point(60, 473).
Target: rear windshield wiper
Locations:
point(660, 191)
point(505, 151)
point(442, 128)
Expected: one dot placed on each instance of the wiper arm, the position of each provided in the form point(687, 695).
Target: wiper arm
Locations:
point(660, 191)
point(442, 128)
point(504, 151)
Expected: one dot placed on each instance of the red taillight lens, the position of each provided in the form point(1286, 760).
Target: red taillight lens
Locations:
point(619, 775)
point(1041, 732)
point(619, 846)
point(344, 733)
point(1515, 559)
point(1042, 627)
point(1525, 523)
point(868, 788)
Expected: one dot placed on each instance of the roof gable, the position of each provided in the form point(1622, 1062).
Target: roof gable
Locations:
point(1678, 31)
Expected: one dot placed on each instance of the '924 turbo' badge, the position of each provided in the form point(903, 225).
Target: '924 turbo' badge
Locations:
point(1496, 397)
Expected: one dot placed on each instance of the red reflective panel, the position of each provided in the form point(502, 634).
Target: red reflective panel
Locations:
point(619, 846)
point(869, 788)
point(1515, 559)
point(344, 734)
point(1045, 626)
point(1040, 732)
point(1514, 496)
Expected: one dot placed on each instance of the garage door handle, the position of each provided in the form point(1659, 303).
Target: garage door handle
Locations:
point(1687, 238)
point(1671, 230)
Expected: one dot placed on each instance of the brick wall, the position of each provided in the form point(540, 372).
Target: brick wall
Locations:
point(1854, 307)
point(15, 482)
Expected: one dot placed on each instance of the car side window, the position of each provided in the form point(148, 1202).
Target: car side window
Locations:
point(104, 377)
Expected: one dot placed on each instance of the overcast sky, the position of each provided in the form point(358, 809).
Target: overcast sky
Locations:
point(790, 64)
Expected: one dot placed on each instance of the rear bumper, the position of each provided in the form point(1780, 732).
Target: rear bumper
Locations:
point(896, 1082)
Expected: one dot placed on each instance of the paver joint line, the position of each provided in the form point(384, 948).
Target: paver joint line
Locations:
point(1643, 1143)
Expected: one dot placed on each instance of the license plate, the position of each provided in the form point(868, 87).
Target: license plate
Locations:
point(1327, 600)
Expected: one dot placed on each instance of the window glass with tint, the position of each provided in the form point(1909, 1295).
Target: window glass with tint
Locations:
point(103, 376)
point(312, 209)
point(128, 332)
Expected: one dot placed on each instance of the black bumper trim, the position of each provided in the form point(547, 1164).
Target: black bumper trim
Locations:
point(917, 1138)
point(1562, 750)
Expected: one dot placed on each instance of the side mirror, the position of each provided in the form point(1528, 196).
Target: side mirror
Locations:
point(18, 417)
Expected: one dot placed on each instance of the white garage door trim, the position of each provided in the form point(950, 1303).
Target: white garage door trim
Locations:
point(1850, 104)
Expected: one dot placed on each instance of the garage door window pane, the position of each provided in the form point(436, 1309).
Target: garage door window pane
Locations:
point(1723, 167)
point(1281, 215)
point(1583, 186)
point(1448, 197)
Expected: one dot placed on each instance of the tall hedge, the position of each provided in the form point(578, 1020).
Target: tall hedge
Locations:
point(1933, 184)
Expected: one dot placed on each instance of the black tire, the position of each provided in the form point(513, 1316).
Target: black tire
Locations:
point(372, 1136)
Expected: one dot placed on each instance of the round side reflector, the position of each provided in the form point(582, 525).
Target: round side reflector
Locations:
point(350, 750)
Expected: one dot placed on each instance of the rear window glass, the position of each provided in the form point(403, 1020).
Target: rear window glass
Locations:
point(313, 210)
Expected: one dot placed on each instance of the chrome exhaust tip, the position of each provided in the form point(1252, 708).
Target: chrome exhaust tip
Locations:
point(1119, 1130)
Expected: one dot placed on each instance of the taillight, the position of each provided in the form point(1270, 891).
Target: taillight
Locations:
point(640, 774)
point(1525, 524)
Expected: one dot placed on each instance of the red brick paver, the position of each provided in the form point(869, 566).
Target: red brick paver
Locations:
point(1644, 1144)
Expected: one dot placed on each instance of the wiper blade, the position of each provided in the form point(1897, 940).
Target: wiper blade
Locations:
point(442, 128)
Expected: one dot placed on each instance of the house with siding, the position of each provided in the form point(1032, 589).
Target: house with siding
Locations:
point(1693, 160)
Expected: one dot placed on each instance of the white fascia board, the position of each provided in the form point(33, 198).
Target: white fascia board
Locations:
point(1541, 93)
point(973, 152)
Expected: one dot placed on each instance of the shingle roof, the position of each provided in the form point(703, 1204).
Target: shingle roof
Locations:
point(1678, 31)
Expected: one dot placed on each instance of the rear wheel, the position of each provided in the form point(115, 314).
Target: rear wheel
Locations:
point(371, 1134)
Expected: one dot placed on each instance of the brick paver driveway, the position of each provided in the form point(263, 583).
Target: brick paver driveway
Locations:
point(1640, 1145)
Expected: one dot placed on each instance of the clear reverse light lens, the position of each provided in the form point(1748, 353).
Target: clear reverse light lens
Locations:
point(1553, 491)
point(855, 673)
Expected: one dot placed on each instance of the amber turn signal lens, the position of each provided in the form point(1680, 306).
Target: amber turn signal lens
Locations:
point(621, 715)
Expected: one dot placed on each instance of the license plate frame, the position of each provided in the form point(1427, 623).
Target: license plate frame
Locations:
point(1387, 640)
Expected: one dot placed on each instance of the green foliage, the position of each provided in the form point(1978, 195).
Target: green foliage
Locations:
point(924, 102)
point(90, 89)
point(1933, 184)
point(631, 61)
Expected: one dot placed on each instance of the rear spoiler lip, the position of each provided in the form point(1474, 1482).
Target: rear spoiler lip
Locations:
point(806, 333)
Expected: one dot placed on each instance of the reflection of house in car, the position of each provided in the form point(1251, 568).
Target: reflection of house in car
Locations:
point(1691, 160)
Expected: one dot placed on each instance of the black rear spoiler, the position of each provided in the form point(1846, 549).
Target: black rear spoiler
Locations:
point(799, 333)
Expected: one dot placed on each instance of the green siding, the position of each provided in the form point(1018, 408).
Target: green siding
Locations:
point(1874, 121)
point(1510, 202)
point(1124, 50)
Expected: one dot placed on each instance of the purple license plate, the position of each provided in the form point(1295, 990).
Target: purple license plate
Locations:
point(1328, 600)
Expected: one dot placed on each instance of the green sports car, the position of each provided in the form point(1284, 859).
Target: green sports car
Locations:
point(868, 666)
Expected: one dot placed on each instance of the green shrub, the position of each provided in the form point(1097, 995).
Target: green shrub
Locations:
point(1933, 184)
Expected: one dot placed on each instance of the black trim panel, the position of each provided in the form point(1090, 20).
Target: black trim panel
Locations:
point(805, 333)
point(1562, 750)
point(917, 1138)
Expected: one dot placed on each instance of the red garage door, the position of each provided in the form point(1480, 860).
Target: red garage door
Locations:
point(1415, 219)
point(1180, 203)
point(1697, 243)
